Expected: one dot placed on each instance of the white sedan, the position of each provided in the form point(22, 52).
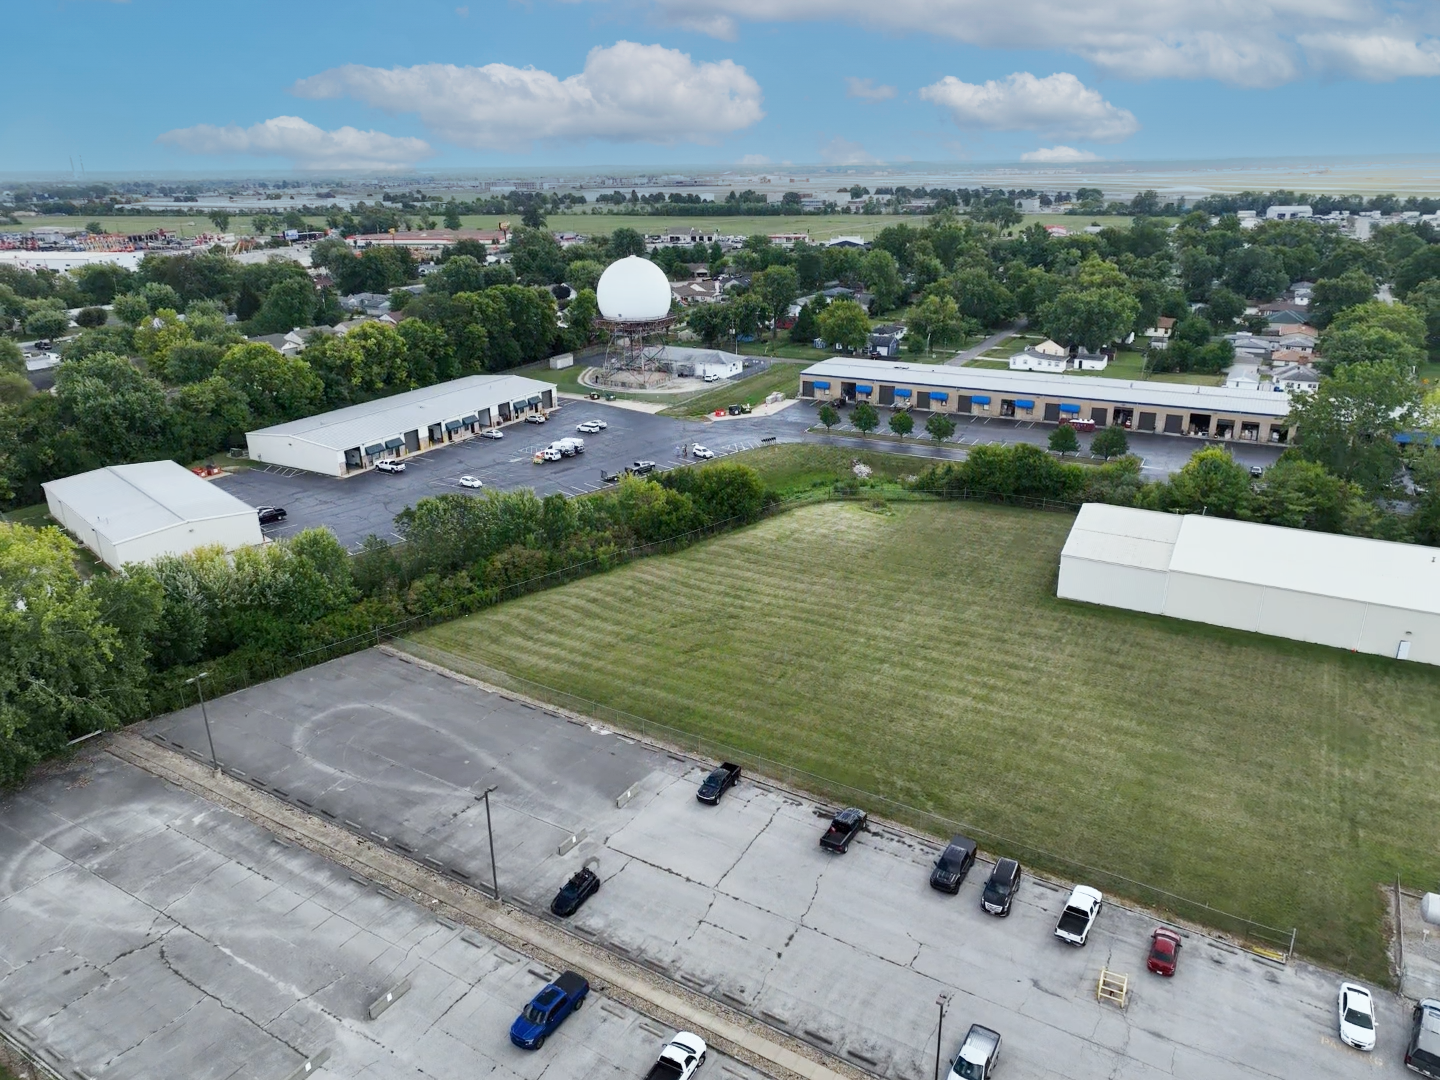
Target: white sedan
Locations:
point(681, 1057)
point(471, 482)
point(492, 433)
point(1357, 1016)
point(701, 452)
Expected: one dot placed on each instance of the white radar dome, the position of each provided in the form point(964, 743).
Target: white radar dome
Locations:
point(633, 289)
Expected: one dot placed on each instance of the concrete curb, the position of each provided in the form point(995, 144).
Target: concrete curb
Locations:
point(730, 1031)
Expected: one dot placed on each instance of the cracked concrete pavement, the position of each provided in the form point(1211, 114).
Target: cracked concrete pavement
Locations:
point(739, 902)
point(151, 933)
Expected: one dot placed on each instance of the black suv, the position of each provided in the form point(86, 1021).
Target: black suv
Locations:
point(953, 865)
point(269, 515)
point(584, 884)
point(1000, 887)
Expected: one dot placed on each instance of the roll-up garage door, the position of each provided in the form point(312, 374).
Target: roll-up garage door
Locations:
point(1099, 415)
point(1173, 424)
point(1146, 422)
point(887, 395)
point(1052, 411)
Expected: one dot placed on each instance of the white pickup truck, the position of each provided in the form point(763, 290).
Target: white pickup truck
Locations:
point(1079, 915)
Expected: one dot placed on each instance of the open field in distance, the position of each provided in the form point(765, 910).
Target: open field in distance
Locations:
point(920, 653)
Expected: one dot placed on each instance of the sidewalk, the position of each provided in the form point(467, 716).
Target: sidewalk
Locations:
point(664, 1000)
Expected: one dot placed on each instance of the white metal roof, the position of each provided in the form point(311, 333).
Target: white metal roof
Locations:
point(1177, 396)
point(123, 502)
point(1405, 576)
point(1323, 564)
point(633, 289)
point(376, 421)
point(1123, 535)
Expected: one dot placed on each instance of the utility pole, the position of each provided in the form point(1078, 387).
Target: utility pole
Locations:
point(214, 761)
point(494, 877)
point(942, 1001)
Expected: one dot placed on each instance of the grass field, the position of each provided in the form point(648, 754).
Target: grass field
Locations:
point(781, 375)
point(921, 654)
point(1127, 364)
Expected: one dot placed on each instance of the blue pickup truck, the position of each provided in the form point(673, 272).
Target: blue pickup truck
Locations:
point(548, 1010)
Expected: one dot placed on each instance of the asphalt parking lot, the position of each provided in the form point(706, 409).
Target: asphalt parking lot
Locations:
point(848, 952)
point(148, 934)
point(356, 506)
point(366, 503)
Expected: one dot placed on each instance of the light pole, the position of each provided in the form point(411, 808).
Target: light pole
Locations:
point(215, 761)
point(942, 1001)
point(494, 877)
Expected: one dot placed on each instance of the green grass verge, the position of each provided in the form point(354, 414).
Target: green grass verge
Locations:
point(792, 468)
point(922, 654)
point(781, 375)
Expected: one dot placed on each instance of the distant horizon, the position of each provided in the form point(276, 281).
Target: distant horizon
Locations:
point(1194, 177)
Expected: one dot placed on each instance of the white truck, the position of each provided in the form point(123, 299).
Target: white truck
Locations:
point(1079, 915)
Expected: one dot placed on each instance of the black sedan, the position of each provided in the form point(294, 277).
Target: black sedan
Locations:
point(953, 865)
point(585, 884)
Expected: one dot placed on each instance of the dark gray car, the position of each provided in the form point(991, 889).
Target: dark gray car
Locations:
point(953, 865)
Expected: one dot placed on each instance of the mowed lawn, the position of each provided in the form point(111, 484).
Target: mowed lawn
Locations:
point(921, 654)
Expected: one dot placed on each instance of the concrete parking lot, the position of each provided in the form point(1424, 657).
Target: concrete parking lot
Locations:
point(149, 934)
point(848, 952)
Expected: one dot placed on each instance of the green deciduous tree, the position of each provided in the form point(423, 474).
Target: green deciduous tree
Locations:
point(1300, 494)
point(881, 276)
point(901, 422)
point(625, 241)
point(936, 320)
point(829, 416)
point(939, 427)
point(777, 287)
point(1350, 422)
point(1334, 295)
point(1110, 442)
point(844, 324)
point(276, 387)
point(1092, 318)
point(220, 219)
point(1063, 440)
point(1212, 482)
point(288, 305)
point(91, 317)
point(864, 418)
point(47, 323)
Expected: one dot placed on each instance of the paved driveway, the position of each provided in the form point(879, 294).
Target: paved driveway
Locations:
point(848, 952)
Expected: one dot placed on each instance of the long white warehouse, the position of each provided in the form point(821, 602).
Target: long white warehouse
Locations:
point(354, 438)
point(135, 513)
point(1364, 595)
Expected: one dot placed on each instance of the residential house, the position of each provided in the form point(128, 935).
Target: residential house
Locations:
point(1292, 357)
point(367, 303)
point(1295, 379)
point(846, 241)
point(885, 340)
point(1159, 334)
point(696, 291)
point(1029, 359)
point(1051, 348)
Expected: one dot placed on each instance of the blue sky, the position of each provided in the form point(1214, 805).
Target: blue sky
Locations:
point(164, 86)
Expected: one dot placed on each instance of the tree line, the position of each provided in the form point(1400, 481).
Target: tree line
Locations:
point(79, 656)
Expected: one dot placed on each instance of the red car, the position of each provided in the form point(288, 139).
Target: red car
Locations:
point(1164, 951)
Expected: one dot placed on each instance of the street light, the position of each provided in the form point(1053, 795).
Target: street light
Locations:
point(205, 716)
point(942, 1001)
point(494, 877)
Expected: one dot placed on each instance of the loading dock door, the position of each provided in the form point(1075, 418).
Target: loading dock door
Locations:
point(922, 399)
point(484, 417)
point(1099, 415)
point(1146, 422)
point(887, 395)
point(437, 433)
point(1052, 411)
point(412, 441)
point(962, 403)
point(807, 388)
point(1172, 424)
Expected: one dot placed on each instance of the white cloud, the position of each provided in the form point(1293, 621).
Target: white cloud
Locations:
point(1058, 105)
point(627, 93)
point(1260, 43)
point(1374, 57)
point(866, 90)
point(1058, 155)
point(841, 151)
point(754, 159)
point(307, 146)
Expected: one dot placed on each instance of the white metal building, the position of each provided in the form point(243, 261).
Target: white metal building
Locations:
point(354, 438)
point(1364, 595)
point(134, 513)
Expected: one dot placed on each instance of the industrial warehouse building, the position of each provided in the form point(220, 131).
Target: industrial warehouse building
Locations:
point(1364, 595)
point(135, 513)
point(1220, 412)
point(353, 439)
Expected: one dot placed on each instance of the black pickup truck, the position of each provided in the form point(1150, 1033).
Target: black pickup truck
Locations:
point(718, 782)
point(844, 827)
